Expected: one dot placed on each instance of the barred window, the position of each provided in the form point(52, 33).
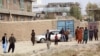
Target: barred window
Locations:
point(1, 17)
point(0, 3)
point(21, 4)
point(14, 1)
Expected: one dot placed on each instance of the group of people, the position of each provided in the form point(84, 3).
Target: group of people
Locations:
point(47, 35)
point(11, 40)
point(65, 35)
point(83, 34)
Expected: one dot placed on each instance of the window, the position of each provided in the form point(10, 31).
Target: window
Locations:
point(22, 18)
point(58, 13)
point(1, 17)
point(8, 1)
point(0, 3)
point(22, 4)
point(29, 18)
point(14, 1)
point(64, 5)
point(29, 7)
point(15, 18)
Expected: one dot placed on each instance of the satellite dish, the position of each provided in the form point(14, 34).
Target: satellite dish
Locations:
point(64, 14)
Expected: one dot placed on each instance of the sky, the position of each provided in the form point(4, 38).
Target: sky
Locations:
point(83, 3)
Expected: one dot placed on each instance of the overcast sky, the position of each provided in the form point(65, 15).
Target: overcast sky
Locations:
point(83, 3)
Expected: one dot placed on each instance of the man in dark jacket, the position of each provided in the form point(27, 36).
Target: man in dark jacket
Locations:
point(96, 33)
point(47, 35)
point(33, 37)
point(48, 40)
point(4, 42)
point(91, 33)
point(12, 41)
point(62, 32)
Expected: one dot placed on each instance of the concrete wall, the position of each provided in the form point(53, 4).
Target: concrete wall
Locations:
point(22, 30)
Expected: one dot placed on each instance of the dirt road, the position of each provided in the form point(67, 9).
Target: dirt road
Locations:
point(26, 47)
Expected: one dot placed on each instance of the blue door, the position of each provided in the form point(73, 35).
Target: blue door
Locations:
point(65, 24)
point(61, 24)
point(70, 25)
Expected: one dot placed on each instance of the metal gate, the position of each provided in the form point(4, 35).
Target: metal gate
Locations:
point(65, 24)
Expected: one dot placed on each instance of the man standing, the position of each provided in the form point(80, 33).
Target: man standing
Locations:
point(69, 35)
point(56, 39)
point(80, 35)
point(4, 42)
point(47, 35)
point(91, 33)
point(33, 37)
point(76, 32)
point(66, 35)
point(85, 38)
point(12, 41)
point(96, 33)
point(62, 32)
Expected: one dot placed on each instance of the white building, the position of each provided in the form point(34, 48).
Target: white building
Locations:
point(53, 9)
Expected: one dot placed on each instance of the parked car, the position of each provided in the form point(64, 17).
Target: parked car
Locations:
point(42, 38)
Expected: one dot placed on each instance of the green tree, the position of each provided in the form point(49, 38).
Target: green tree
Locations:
point(75, 11)
point(89, 7)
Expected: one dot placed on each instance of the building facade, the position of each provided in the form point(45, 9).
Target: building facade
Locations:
point(55, 9)
point(96, 12)
point(16, 10)
point(59, 9)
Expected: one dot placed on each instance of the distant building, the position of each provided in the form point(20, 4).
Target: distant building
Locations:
point(56, 9)
point(16, 10)
point(96, 12)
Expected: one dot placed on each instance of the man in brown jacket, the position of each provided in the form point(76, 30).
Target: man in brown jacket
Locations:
point(12, 41)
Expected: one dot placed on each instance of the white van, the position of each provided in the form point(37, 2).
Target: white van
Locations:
point(42, 38)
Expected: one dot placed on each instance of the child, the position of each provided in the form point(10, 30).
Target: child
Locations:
point(56, 40)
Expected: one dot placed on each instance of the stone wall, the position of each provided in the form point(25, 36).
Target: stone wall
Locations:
point(22, 30)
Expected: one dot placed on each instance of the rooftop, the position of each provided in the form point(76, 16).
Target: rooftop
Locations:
point(94, 9)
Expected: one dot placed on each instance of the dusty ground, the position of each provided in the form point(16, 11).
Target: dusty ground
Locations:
point(25, 48)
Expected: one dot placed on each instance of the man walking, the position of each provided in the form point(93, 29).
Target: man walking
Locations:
point(33, 37)
point(12, 41)
point(4, 42)
point(47, 35)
